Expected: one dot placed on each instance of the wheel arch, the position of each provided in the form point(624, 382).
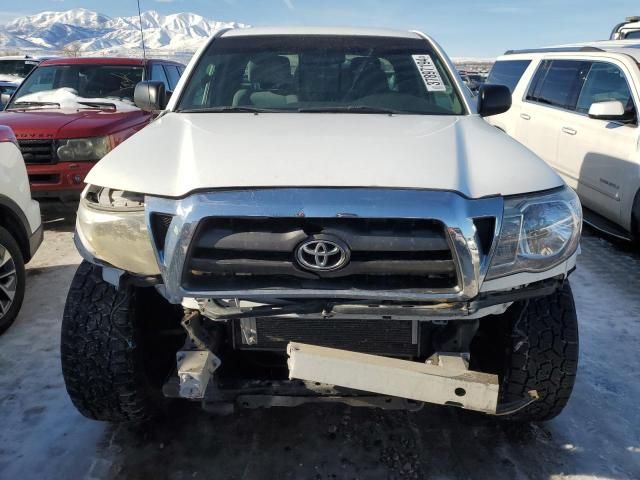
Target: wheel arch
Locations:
point(635, 216)
point(13, 220)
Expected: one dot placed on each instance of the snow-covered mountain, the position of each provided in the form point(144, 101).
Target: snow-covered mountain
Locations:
point(92, 32)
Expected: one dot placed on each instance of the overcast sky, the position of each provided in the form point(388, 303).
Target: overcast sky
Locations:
point(463, 27)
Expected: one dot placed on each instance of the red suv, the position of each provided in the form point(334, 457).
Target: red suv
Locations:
point(68, 113)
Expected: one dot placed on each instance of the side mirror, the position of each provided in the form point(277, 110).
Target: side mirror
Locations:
point(612, 110)
point(5, 98)
point(493, 100)
point(150, 96)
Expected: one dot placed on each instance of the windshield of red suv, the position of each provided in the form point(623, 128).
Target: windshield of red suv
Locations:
point(321, 73)
point(85, 81)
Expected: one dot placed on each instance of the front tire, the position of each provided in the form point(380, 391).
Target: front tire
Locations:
point(112, 370)
point(12, 280)
point(542, 355)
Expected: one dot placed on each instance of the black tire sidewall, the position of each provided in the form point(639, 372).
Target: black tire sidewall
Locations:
point(554, 313)
point(7, 240)
point(103, 354)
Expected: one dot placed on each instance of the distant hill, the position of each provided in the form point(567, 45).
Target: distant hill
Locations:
point(90, 32)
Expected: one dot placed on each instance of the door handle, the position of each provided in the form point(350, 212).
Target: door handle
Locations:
point(525, 116)
point(569, 131)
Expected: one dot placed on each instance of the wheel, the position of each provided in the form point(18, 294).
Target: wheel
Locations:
point(114, 355)
point(542, 355)
point(12, 280)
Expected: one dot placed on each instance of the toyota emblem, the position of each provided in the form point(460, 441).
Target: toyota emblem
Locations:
point(322, 254)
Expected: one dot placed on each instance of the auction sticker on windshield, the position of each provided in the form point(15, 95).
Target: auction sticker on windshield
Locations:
point(429, 73)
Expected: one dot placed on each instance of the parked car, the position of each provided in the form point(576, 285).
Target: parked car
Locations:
point(627, 30)
point(576, 107)
point(6, 90)
point(473, 81)
point(20, 227)
point(295, 199)
point(14, 69)
point(69, 112)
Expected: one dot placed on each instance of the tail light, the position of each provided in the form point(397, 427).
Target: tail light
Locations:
point(7, 135)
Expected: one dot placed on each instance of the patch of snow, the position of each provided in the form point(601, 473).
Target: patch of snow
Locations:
point(11, 79)
point(69, 100)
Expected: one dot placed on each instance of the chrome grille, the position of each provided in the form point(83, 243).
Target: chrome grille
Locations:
point(38, 152)
point(468, 226)
point(386, 254)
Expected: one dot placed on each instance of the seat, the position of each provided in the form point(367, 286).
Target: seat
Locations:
point(321, 76)
point(368, 78)
point(271, 83)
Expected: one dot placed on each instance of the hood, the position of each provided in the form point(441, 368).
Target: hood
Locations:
point(181, 152)
point(37, 124)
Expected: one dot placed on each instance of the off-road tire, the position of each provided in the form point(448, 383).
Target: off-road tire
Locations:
point(7, 241)
point(104, 362)
point(542, 355)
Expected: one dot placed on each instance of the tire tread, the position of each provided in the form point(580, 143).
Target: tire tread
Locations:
point(543, 355)
point(100, 359)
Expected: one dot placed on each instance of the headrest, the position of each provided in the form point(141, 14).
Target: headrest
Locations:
point(270, 71)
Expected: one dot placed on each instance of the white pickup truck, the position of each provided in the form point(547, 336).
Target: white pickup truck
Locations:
point(322, 215)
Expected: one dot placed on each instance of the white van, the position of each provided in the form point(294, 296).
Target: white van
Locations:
point(577, 108)
point(627, 30)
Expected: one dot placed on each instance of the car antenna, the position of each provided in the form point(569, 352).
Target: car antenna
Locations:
point(144, 50)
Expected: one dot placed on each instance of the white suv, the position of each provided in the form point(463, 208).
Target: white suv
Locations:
point(20, 227)
point(334, 196)
point(627, 30)
point(577, 108)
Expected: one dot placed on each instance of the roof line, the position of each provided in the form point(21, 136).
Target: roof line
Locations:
point(554, 49)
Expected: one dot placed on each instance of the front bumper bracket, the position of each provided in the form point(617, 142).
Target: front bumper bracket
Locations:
point(445, 381)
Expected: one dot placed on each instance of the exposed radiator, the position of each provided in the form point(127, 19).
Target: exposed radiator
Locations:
point(383, 337)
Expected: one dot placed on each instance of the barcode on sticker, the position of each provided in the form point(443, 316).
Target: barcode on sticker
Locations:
point(429, 73)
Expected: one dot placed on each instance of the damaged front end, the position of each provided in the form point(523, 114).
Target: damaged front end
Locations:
point(371, 297)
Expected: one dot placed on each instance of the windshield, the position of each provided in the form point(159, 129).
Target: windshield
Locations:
point(85, 81)
point(16, 68)
point(315, 73)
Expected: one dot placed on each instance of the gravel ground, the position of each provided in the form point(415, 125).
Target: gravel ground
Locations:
point(598, 435)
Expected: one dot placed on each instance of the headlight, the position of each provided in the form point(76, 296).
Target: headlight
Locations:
point(538, 232)
point(112, 199)
point(83, 149)
point(111, 226)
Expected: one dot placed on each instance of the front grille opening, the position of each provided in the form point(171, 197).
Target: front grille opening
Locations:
point(38, 152)
point(160, 223)
point(259, 253)
point(44, 178)
point(485, 228)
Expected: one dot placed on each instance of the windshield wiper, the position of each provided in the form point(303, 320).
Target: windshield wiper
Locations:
point(21, 105)
point(349, 109)
point(229, 109)
point(101, 105)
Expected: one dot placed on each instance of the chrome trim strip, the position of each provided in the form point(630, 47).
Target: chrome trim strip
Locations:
point(452, 209)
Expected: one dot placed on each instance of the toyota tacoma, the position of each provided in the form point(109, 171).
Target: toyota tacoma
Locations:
point(322, 215)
